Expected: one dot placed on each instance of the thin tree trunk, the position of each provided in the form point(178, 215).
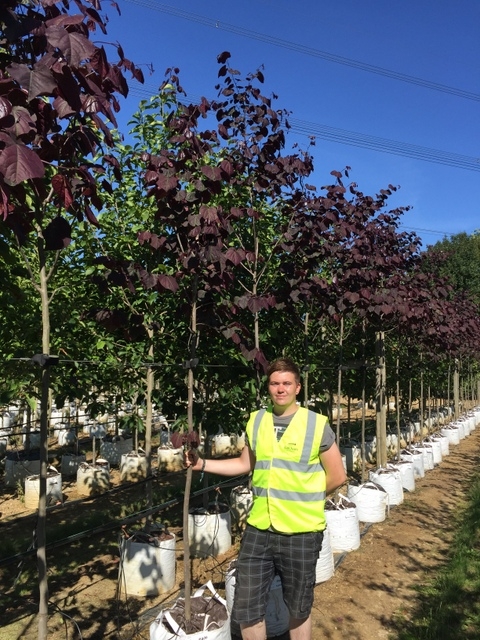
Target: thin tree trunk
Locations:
point(421, 401)
point(397, 406)
point(381, 414)
point(339, 381)
point(456, 390)
point(150, 383)
point(188, 480)
point(305, 377)
point(41, 530)
point(364, 382)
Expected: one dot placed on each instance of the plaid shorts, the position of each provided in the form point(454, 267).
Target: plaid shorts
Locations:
point(266, 553)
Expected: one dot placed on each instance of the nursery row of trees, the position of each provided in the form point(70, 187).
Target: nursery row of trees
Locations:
point(209, 250)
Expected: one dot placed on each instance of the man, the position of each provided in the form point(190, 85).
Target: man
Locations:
point(295, 463)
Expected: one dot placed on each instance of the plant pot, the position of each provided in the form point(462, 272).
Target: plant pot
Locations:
point(133, 467)
point(70, 463)
point(436, 449)
point(54, 489)
point(416, 458)
point(276, 613)
point(240, 442)
point(343, 525)
point(221, 445)
point(407, 474)
point(211, 620)
point(92, 479)
point(209, 530)
point(147, 563)
point(452, 433)
point(391, 481)
point(34, 438)
point(241, 500)
point(353, 456)
point(18, 467)
point(170, 460)
point(66, 437)
point(326, 563)
point(427, 453)
point(113, 450)
point(370, 500)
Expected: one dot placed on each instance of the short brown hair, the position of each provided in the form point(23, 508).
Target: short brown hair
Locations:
point(284, 364)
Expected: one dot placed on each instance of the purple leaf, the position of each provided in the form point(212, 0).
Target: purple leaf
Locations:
point(19, 163)
point(213, 173)
point(62, 188)
point(168, 282)
point(38, 82)
point(5, 108)
point(75, 47)
point(223, 57)
point(57, 234)
point(177, 439)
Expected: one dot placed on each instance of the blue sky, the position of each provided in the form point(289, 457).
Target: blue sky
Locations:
point(314, 56)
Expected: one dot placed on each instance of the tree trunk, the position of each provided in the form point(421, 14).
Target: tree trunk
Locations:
point(188, 480)
point(339, 382)
point(44, 414)
point(150, 383)
point(456, 390)
point(381, 414)
point(305, 377)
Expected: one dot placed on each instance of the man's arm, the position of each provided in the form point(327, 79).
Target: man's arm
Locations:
point(335, 471)
point(227, 467)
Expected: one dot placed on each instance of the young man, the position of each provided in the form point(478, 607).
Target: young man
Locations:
point(295, 463)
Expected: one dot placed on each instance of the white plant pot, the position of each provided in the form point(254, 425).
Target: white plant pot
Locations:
point(353, 456)
point(17, 470)
point(222, 445)
point(133, 467)
point(325, 567)
point(343, 526)
point(416, 458)
point(147, 568)
point(92, 479)
point(391, 481)
point(170, 460)
point(35, 439)
point(407, 473)
point(66, 437)
point(54, 489)
point(209, 534)
point(371, 500)
point(70, 463)
point(241, 500)
point(113, 450)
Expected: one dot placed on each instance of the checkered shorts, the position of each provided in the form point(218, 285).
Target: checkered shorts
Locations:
point(264, 554)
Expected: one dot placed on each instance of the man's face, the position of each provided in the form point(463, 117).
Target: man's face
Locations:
point(283, 390)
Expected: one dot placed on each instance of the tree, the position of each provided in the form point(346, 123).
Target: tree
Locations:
point(57, 103)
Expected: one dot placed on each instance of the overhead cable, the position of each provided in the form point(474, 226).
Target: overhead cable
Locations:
point(310, 51)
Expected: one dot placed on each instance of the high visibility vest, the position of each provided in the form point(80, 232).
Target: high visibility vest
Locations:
point(288, 483)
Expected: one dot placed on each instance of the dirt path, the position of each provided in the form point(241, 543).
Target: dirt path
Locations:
point(371, 585)
point(376, 582)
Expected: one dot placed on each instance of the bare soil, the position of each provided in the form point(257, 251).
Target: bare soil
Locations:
point(373, 588)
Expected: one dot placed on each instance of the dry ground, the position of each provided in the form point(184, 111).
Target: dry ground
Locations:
point(362, 601)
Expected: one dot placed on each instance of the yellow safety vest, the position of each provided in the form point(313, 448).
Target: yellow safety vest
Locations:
point(288, 483)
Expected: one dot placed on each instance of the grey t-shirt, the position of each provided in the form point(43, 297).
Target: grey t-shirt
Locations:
point(280, 424)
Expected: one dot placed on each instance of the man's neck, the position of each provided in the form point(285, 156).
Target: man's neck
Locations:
point(285, 411)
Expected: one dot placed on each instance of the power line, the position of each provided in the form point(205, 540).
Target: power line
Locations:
point(310, 51)
point(365, 141)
